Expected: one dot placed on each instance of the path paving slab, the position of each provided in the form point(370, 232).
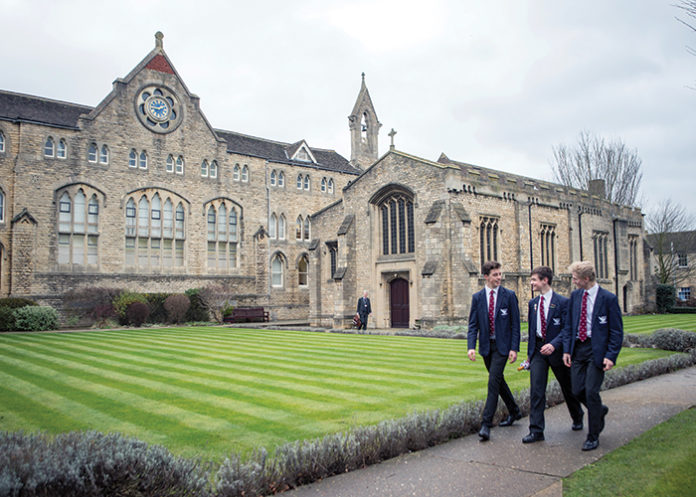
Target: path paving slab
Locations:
point(506, 466)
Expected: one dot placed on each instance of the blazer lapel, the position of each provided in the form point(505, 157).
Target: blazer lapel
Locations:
point(577, 304)
point(484, 308)
point(533, 315)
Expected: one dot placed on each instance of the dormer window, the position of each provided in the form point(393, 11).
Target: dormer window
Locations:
point(303, 154)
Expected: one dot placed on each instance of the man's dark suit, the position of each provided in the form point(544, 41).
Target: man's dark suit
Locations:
point(587, 369)
point(507, 338)
point(539, 364)
point(364, 310)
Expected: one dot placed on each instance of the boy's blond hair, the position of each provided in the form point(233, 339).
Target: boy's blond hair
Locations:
point(583, 269)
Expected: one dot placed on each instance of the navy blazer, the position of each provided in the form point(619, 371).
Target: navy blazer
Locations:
point(607, 326)
point(555, 322)
point(507, 322)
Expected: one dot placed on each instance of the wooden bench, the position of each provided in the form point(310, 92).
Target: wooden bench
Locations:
point(246, 315)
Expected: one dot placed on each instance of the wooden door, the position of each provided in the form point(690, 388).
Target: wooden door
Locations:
point(399, 303)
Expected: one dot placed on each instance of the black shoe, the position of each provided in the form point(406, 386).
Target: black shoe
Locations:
point(484, 433)
point(511, 419)
point(577, 426)
point(590, 444)
point(534, 436)
point(605, 410)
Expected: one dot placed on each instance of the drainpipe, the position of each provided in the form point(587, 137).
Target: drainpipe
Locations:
point(531, 245)
point(580, 230)
point(616, 262)
point(269, 279)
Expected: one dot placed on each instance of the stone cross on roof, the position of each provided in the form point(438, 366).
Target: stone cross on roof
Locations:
point(391, 135)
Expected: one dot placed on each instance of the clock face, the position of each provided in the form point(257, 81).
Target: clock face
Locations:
point(157, 108)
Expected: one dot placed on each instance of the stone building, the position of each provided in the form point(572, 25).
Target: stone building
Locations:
point(677, 250)
point(142, 192)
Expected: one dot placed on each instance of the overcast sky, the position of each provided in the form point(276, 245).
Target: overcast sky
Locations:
point(492, 83)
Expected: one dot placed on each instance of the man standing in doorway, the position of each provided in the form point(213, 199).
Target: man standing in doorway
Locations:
point(364, 310)
point(495, 319)
point(592, 339)
point(547, 316)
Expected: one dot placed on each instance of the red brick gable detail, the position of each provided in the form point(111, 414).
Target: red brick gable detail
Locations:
point(159, 63)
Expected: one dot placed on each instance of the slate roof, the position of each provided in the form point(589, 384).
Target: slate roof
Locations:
point(18, 107)
point(282, 152)
point(684, 241)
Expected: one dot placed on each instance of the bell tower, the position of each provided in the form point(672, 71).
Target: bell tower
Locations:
point(364, 130)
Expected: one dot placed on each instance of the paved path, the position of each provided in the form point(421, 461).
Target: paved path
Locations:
point(505, 466)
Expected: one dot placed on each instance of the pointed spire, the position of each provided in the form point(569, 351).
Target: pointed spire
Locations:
point(158, 40)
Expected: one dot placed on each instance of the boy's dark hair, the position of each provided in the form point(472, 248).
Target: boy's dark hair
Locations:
point(489, 266)
point(543, 272)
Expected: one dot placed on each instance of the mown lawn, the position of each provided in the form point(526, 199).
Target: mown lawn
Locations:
point(647, 323)
point(207, 391)
point(659, 463)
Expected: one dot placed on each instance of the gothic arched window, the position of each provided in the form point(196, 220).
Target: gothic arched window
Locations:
point(396, 219)
point(488, 238)
point(62, 151)
point(302, 271)
point(49, 147)
point(78, 228)
point(154, 231)
point(277, 266)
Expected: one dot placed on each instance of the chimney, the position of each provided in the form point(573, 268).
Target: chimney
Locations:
point(597, 187)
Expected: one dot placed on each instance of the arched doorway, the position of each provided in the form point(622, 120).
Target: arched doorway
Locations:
point(399, 303)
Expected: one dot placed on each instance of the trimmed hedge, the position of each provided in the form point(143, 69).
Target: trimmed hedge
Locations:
point(682, 310)
point(91, 464)
point(665, 339)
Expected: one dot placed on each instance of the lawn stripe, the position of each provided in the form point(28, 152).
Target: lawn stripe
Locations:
point(52, 404)
point(328, 384)
point(298, 369)
point(168, 395)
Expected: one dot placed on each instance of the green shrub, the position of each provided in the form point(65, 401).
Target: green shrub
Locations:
point(125, 299)
point(137, 313)
point(90, 464)
point(16, 302)
point(158, 314)
point(674, 339)
point(176, 307)
point(35, 318)
point(93, 304)
point(7, 316)
point(665, 297)
point(198, 310)
point(227, 310)
point(7, 320)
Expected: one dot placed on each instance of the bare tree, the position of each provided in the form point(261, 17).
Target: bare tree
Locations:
point(689, 8)
point(595, 158)
point(673, 239)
